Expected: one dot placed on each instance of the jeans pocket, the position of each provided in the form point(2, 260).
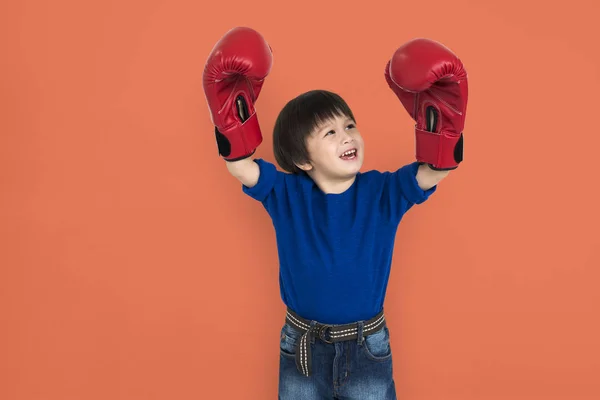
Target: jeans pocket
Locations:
point(377, 345)
point(288, 339)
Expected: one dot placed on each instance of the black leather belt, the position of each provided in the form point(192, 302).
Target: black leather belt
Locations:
point(328, 334)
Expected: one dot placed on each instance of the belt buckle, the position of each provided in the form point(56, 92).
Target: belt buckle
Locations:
point(322, 330)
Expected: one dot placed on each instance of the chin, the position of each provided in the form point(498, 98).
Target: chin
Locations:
point(347, 169)
point(353, 169)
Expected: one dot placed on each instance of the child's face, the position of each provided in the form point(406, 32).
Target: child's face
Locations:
point(328, 148)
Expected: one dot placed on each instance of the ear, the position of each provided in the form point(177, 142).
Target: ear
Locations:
point(305, 166)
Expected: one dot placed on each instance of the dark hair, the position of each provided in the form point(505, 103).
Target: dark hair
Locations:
point(298, 118)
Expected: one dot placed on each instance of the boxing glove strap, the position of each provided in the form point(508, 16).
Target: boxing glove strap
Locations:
point(327, 333)
point(240, 140)
point(441, 150)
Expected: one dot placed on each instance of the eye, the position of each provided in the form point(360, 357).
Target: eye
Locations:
point(351, 126)
point(331, 131)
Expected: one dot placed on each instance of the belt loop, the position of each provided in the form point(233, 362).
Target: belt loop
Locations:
point(360, 338)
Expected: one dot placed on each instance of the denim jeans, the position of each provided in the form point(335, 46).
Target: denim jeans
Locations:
point(350, 370)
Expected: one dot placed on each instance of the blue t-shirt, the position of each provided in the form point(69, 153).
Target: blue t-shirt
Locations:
point(335, 250)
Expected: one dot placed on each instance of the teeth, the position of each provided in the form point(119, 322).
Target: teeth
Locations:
point(349, 152)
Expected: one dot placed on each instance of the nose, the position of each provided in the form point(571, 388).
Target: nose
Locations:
point(347, 138)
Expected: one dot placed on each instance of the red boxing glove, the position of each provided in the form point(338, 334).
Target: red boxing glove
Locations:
point(233, 78)
point(431, 83)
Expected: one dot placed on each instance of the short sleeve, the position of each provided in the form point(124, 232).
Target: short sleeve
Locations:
point(266, 181)
point(406, 180)
point(402, 191)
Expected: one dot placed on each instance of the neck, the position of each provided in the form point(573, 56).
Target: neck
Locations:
point(332, 186)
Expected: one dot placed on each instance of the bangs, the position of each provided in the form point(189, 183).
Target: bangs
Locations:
point(318, 108)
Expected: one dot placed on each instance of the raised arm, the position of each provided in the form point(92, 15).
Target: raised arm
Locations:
point(233, 78)
point(428, 177)
point(246, 171)
point(431, 83)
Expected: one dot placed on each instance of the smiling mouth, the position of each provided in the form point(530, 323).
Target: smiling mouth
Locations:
point(349, 155)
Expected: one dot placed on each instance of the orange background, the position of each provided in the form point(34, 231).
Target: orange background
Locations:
point(133, 266)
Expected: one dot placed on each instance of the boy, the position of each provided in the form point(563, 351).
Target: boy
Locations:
point(335, 226)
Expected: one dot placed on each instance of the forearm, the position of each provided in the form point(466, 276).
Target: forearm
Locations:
point(245, 170)
point(428, 178)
